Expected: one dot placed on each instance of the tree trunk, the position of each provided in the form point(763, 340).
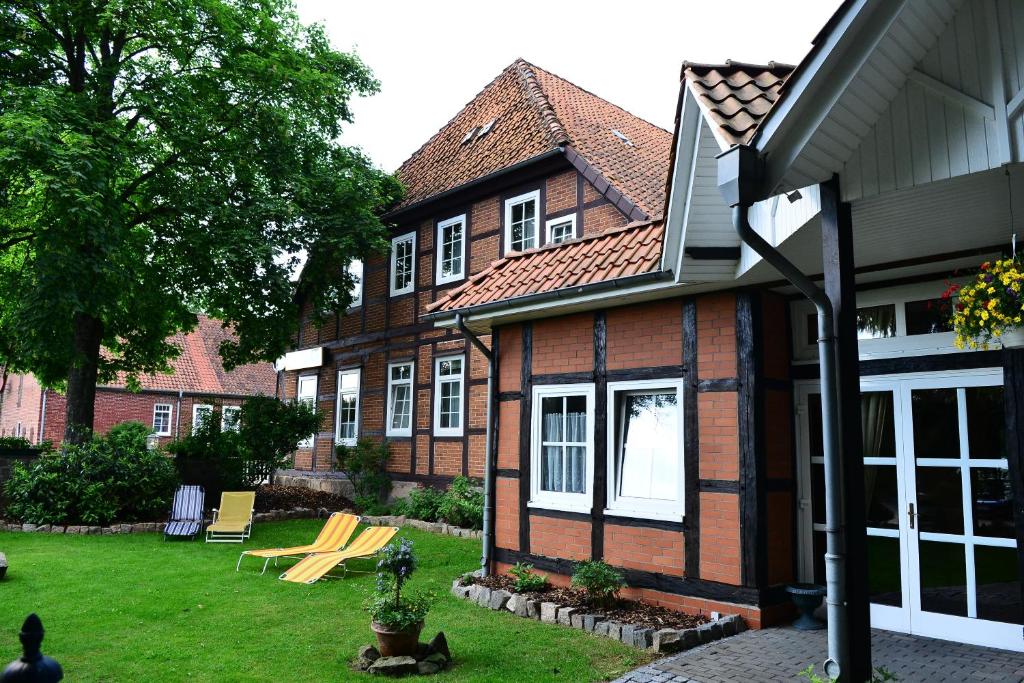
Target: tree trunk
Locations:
point(81, 398)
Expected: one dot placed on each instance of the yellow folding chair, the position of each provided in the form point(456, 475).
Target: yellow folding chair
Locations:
point(232, 521)
point(336, 532)
point(315, 567)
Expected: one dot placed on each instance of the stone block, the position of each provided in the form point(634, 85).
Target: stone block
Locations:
point(668, 640)
point(549, 612)
point(55, 529)
point(643, 637)
point(601, 628)
point(590, 621)
point(626, 636)
point(716, 630)
point(3, 565)
point(533, 609)
point(576, 620)
point(518, 605)
point(44, 528)
point(394, 666)
point(498, 599)
point(95, 530)
point(565, 615)
point(460, 591)
point(613, 630)
point(728, 627)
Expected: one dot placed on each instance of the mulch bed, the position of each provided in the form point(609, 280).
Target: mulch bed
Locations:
point(623, 611)
point(275, 497)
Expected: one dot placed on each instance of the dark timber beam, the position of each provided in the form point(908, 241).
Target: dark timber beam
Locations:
point(840, 287)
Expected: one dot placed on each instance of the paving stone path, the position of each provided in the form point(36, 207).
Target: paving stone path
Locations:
point(778, 654)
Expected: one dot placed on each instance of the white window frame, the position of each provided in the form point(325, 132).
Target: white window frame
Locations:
point(224, 426)
point(357, 289)
point(196, 409)
point(558, 500)
point(438, 429)
point(673, 510)
point(170, 417)
point(519, 199)
point(307, 442)
point(389, 431)
point(438, 246)
point(407, 237)
point(571, 219)
point(349, 441)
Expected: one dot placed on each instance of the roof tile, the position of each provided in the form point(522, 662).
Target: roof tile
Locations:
point(736, 95)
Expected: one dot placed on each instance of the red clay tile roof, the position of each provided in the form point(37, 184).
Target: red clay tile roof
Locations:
point(735, 95)
point(198, 368)
point(616, 253)
point(534, 112)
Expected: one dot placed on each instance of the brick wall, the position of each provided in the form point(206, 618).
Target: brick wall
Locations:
point(652, 550)
point(563, 344)
point(20, 407)
point(554, 537)
point(647, 335)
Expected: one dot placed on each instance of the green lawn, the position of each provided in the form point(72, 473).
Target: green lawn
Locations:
point(133, 607)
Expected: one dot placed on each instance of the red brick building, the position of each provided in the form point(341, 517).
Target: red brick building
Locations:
point(169, 403)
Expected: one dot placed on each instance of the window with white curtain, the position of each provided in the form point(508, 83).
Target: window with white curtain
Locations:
point(399, 399)
point(162, 419)
point(346, 430)
point(562, 447)
point(305, 392)
point(403, 264)
point(645, 449)
point(451, 246)
point(448, 393)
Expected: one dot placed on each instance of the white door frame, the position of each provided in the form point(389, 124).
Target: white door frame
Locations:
point(910, 617)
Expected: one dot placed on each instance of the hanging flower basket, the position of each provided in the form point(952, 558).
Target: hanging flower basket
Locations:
point(989, 309)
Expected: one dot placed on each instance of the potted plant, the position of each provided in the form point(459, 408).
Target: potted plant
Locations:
point(396, 617)
point(990, 308)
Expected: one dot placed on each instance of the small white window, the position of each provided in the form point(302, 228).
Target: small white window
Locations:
point(346, 431)
point(355, 269)
point(399, 399)
point(451, 249)
point(229, 418)
point(403, 264)
point(306, 393)
point(448, 396)
point(200, 414)
point(521, 221)
point(162, 419)
point(561, 229)
point(562, 447)
point(645, 449)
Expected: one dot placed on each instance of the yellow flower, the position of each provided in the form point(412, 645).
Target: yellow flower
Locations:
point(991, 290)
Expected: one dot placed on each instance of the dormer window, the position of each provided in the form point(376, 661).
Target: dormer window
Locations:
point(486, 128)
point(561, 229)
point(623, 137)
point(469, 135)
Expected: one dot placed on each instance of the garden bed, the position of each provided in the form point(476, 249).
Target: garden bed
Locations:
point(628, 621)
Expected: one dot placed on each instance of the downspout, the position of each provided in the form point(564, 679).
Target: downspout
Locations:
point(177, 415)
point(42, 417)
point(488, 535)
point(739, 181)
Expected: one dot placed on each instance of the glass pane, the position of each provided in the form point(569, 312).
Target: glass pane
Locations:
point(812, 329)
point(814, 422)
point(818, 541)
point(929, 316)
point(936, 423)
point(884, 587)
point(576, 419)
point(349, 380)
point(992, 502)
point(551, 468)
point(401, 372)
point(517, 213)
point(529, 209)
point(998, 584)
point(878, 429)
point(818, 493)
point(648, 447)
point(576, 469)
point(876, 322)
point(986, 422)
point(401, 405)
point(880, 498)
point(943, 578)
point(940, 500)
point(551, 418)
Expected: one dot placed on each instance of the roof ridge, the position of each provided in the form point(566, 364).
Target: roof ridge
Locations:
point(596, 96)
point(539, 99)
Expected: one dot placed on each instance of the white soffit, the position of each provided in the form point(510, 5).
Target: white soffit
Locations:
point(300, 360)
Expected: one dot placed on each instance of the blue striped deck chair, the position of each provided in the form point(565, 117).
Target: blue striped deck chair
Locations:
point(186, 518)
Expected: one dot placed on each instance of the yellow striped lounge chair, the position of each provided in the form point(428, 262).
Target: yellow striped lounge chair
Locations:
point(232, 521)
point(339, 528)
point(314, 567)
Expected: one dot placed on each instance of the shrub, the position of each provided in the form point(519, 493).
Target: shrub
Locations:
point(600, 581)
point(526, 580)
point(388, 607)
point(14, 443)
point(462, 504)
point(211, 458)
point(422, 503)
point(105, 479)
point(365, 466)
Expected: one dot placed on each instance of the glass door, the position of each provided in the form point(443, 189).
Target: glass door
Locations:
point(942, 551)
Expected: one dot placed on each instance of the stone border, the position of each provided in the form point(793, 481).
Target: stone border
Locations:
point(271, 516)
point(663, 641)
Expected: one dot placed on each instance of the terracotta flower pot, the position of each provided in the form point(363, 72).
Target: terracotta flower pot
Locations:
point(397, 643)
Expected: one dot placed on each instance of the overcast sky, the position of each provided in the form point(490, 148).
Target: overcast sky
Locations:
point(434, 57)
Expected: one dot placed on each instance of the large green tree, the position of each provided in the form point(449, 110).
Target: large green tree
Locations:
point(159, 157)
